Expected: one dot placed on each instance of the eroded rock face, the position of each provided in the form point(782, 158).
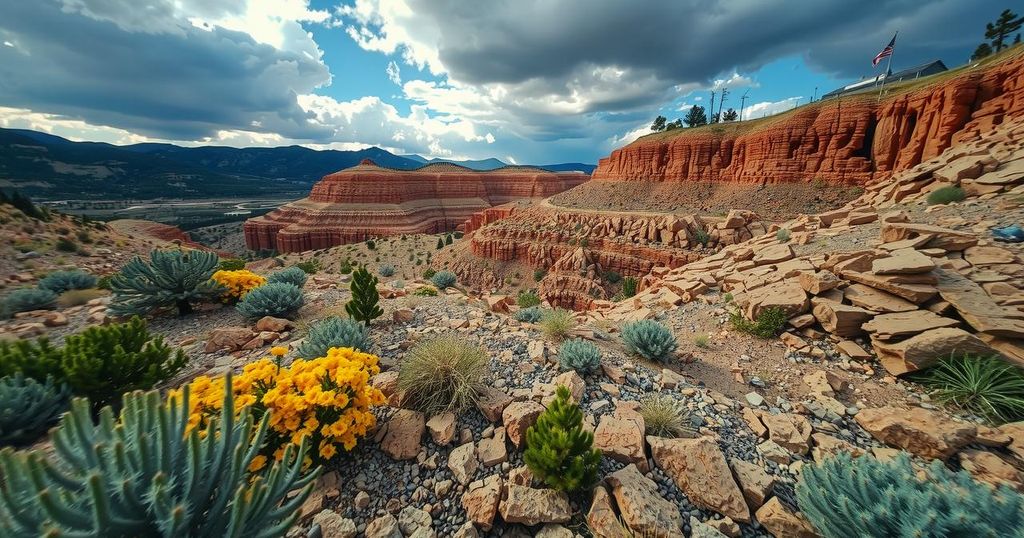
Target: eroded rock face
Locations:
point(368, 201)
point(850, 141)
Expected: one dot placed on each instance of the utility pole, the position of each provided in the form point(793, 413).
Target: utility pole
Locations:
point(711, 111)
point(743, 101)
point(815, 94)
point(721, 102)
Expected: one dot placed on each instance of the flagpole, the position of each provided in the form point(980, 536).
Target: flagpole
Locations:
point(888, 65)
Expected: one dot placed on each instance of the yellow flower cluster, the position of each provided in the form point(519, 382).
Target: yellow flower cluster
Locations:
point(327, 399)
point(238, 283)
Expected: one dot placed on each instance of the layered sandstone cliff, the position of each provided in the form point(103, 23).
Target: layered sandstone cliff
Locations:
point(849, 140)
point(368, 201)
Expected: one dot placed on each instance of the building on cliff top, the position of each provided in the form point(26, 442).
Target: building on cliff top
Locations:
point(368, 201)
point(916, 72)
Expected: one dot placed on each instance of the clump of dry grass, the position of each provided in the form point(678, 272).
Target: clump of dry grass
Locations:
point(79, 297)
point(664, 416)
point(557, 323)
point(441, 375)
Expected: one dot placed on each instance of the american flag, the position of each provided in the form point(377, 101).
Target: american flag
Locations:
point(887, 51)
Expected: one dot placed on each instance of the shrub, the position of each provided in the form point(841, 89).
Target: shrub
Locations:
point(278, 299)
point(292, 275)
point(145, 473)
point(171, 278)
point(612, 277)
point(664, 416)
point(946, 195)
point(448, 239)
point(236, 284)
point(386, 270)
point(429, 273)
point(346, 267)
point(309, 267)
point(103, 282)
point(986, 386)
point(326, 400)
point(557, 323)
point(702, 237)
point(538, 275)
point(443, 279)
point(649, 339)
point(370, 244)
point(36, 360)
point(28, 408)
point(426, 291)
point(783, 235)
point(767, 325)
point(526, 299)
point(60, 281)
point(106, 361)
point(363, 305)
point(440, 243)
point(628, 287)
point(702, 341)
point(65, 244)
point(727, 297)
point(442, 375)
point(558, 450)
point(529, 315)
point(232, 264)
point(579, 355)
point(28, 299)
point(334, 332)
point(850, 497)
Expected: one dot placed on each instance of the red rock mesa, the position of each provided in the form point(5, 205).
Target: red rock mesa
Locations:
point(368, 201)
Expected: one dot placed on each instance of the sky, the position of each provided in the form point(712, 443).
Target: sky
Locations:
point(525, 81)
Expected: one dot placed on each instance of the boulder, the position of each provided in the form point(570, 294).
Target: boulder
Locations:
point(385, 526)
point(819, 282)
point(332, 525)
point(754, 482)
point(533, 506)
point(773, 254)
point(699, 529)
point(491, 402)
point(991, 468)
point(642, 508)
point(781, 523)
point(701, 471)
point(876, 300)
point(789, 430)
point(272, 324)
point(572, 381)
point(493, 451)
point(921, 432)
point(403, 433)
point(519, 416)
point(442, 428)
point(463, 463)
point(787, 295)
point(601, 519)
point(906, 261)
point(924, 349)
point(412, 520)
point(840, 319)
point(899, 324)
point(620, 436)
point(481, 501)
point(228, 338)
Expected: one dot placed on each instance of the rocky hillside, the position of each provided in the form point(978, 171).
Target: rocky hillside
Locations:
point(849, 140)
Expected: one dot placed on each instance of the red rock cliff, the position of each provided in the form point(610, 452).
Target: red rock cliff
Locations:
point(368, 201)
point(850, 140)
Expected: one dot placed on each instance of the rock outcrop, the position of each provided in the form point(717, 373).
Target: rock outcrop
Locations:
point(368, 201)
point(850, 140)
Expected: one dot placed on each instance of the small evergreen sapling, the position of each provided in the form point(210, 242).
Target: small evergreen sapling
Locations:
point(558, 450)
point(175, 278)
point(363, 305)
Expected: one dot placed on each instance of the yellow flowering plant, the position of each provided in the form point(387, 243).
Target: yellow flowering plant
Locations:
point(237, 283)
point(327, 399)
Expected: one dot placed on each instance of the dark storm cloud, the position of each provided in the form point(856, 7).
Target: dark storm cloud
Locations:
point(142, 71)
point(686, 41)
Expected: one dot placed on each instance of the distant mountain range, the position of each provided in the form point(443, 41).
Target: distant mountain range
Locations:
point(49, 167)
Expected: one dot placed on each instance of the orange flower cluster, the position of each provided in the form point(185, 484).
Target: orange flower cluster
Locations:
point(327, 399)
point(237, 283)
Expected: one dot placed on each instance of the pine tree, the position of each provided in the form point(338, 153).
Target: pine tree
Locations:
point(695, 117)
point(440, 243)
point(730, 115)
point(1007, 23)
point(659, 124)
point(363, 305)
point(448, 239)
point(559, 451)
point(982, 51)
